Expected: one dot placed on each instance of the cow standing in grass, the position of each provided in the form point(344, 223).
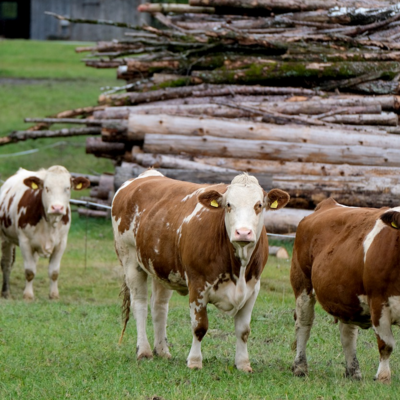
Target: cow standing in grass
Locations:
point(35, 215)
point(349, 259)
point(208, 241)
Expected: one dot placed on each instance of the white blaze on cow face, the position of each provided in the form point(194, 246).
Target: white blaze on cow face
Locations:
point(56, 189)
point(243, 203)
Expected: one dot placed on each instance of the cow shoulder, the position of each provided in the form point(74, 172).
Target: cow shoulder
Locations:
point(30, 208)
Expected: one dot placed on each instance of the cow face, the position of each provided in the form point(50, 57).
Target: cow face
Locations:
point(243, 203)
point(56, 189)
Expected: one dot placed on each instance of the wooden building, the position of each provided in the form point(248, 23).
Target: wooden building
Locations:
point(26, 19)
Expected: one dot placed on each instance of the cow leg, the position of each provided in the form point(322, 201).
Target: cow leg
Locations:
point(348, 337)
point(30, 261)
point(304, 320)
point(242, 330)
point(54, 269)
point(199, 319)
point(381, 322)
point(7, 261)
point(159, 311)
point(136, 280)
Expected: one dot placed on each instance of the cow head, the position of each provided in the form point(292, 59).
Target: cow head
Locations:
point(56, 189)
point(243, 202)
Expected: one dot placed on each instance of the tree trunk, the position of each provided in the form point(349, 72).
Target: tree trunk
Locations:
point(271, 150)
point(364, 119)
point(140, 125)
point(286, 220)
point(278, 252)
point(297, 168)
point(99, 148)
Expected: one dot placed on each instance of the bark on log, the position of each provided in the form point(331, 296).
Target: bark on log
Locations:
point(313, 73)
point(284, 221)
point(199, 91)
point(308, 191)
point(127, 171)
point(105, 189)
point(174, 8)
point(390, 119)
point(166, 161)
point(99, 148)
point(270, 150)
point(287, 5)
point(297, 168)
point(140, 125)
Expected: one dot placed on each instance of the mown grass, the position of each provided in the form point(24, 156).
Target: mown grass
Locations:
point(39, 79)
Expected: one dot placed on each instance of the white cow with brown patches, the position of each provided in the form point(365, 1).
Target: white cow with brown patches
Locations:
point(208, 241)
point(35, 215)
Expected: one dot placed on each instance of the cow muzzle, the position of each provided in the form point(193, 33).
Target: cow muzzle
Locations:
point(57, 209)
point(243, 236)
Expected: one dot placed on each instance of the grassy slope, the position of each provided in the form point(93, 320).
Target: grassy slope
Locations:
point(68, 349)
point(53, 79)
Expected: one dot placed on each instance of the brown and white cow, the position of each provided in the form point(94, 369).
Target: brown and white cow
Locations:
point(35, 215)
point(205, 240)
point(349, 259)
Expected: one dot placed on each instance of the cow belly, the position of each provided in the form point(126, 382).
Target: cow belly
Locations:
point(223, 296)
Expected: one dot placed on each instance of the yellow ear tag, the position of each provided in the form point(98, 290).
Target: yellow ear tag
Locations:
point(34, 186)
point(214, 203)
point(78, 186)
point(274, 204)
point(394, 225)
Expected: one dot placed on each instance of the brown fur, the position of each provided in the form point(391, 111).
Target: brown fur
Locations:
point(31, 200)
point(125, 307)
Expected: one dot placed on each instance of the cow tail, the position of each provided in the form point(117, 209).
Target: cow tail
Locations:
point(125, 308)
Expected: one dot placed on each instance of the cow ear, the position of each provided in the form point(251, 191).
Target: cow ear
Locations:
point(275, 199)
point(80, 183)
point(391, 218)
point(211, 199)
point(33, 182)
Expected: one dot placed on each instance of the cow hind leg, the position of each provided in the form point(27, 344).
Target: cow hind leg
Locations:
point(159, 311)
point(304, 319)
point(7, 261)
point(348, 337)
point(136, 280)
point(381, 320)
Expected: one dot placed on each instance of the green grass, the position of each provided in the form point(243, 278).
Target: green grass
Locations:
point(68, 348)
point(38, 79)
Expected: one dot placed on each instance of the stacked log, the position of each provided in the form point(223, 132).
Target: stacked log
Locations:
point(302, 94)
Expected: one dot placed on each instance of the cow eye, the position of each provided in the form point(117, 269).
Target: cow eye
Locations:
point(228, 204)
point(259, 205)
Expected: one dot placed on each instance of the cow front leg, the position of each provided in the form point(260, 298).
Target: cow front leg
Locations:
point(304, 319)
point(159, 311)
point(348, 337)
point(381, 320)
point(7, 260)
point(242, 330)
point(199, 319)
point(54, 269)
point(30, 261)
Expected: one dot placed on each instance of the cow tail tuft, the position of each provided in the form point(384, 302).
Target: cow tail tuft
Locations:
point(125, 308)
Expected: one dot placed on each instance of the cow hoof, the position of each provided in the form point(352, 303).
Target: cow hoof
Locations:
point(54, 296)
point(300, 370)
point(28, 296)
point(162, 353)
point(245, 368)
point(5, 295)
point(356, 375)
point(144, 355)
point(383, 378)
point(195, 364)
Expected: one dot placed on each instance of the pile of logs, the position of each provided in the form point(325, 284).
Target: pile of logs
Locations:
point(303, 94)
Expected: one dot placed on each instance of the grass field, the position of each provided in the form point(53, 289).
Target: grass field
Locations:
point(68, 348)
